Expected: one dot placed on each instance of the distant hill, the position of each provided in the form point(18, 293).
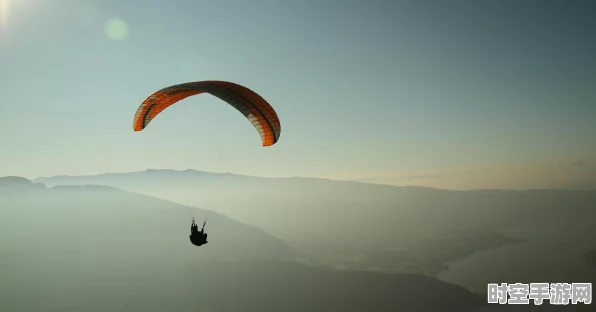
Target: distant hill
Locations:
point(282, 203)
point(359, 225)
point(102, 219)
point(13, 183)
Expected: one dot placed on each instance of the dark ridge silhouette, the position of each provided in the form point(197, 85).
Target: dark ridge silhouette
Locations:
point(295, 287)
point(110, 283)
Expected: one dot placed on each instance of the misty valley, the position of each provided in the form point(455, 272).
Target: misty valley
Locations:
point(120, 242)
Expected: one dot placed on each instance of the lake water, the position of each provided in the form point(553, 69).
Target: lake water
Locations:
point(552, 253)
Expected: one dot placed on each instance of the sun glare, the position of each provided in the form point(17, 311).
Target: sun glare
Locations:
point(4, 12)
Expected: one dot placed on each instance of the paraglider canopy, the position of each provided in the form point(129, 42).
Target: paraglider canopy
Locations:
point(262, 116)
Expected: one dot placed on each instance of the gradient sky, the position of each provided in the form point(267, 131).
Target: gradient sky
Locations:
point(451, 94)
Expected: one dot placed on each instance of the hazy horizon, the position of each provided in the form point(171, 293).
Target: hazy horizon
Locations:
point(35, 178)
point(468, 95)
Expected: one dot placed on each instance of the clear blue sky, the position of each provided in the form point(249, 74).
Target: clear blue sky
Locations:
point(403, 92)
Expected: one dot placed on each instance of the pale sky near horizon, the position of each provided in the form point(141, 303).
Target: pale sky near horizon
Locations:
point(449, 94)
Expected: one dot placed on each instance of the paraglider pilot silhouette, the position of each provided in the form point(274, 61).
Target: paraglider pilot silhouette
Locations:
point(198, 238)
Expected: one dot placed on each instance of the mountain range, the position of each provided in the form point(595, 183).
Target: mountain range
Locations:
point(98, 248)
point(354, 225)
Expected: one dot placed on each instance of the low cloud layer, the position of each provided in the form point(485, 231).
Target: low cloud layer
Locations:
point(570, 173)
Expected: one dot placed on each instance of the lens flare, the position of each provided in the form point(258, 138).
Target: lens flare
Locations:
point(116, 29)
